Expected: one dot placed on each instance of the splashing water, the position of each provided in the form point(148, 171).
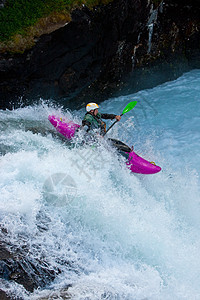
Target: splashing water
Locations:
point(111, 233)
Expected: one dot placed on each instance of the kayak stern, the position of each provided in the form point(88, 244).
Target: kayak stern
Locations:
point(137, 164)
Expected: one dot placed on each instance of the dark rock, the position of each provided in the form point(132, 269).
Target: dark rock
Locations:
point(28, 272)
point(16, 265)
point(4, 296)
point(115, 49)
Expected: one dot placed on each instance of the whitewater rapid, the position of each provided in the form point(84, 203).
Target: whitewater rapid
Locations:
point(112, 234)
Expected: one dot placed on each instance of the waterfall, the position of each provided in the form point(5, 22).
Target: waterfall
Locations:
point(134, 50)
point(151, 22)
point(150, 25)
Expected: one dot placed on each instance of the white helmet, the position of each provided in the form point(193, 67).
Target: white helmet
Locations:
point(91, 106)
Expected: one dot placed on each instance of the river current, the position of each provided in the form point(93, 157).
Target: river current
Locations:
point(111, 233)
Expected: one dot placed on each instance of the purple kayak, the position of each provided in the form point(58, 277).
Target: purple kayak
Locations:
point(135, 163)
point(67, 129)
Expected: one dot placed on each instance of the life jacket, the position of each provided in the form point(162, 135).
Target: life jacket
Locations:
point(94, 121)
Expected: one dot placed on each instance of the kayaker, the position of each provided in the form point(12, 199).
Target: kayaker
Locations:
point(93, 119)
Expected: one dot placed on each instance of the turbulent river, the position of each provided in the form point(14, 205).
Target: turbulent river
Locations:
point(111, 234)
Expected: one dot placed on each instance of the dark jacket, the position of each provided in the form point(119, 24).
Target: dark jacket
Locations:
point(95, 122)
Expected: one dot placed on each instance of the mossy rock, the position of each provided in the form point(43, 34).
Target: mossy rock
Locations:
point(23, 21)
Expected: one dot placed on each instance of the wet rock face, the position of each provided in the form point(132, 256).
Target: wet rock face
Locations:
point(177, 28)
point(68, 61)
point(26, 272)
point(17, 266)
point(169, 46)
point(112, 49)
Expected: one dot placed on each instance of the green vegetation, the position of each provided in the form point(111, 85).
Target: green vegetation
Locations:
point(19, 17)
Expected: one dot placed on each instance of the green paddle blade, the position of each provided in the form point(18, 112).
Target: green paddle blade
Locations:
point(126, 109)
point(130, 106)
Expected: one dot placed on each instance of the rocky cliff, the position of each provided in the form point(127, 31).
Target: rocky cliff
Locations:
point(113, 49)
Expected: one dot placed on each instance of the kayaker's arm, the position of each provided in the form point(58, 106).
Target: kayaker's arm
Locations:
point(110, 116)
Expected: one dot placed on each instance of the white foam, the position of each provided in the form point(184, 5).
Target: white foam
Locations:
point(126, 236)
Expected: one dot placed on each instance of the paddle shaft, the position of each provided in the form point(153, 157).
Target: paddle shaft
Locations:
point(112, 125)
point(128, 107)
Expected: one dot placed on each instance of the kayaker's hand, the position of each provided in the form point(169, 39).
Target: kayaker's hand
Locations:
point(118, 118)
